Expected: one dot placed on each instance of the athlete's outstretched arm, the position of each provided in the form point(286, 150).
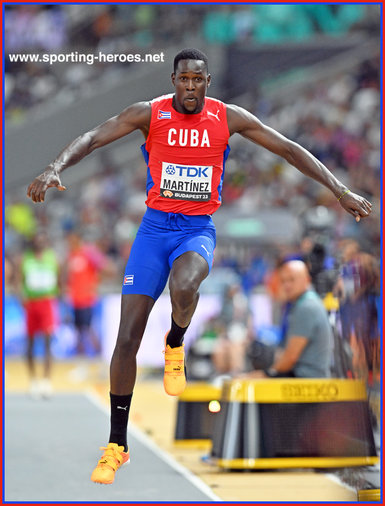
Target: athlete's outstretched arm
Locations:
point(134, 117)
point(246, 124)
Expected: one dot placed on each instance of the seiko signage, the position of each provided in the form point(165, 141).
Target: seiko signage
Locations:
point(321, 391)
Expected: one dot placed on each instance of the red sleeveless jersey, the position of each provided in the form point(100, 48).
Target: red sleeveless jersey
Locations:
point(185, 156)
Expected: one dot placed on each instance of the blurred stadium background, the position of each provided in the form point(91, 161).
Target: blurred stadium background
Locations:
point(311, 71)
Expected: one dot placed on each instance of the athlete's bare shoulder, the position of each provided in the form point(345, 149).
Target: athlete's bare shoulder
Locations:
point(239, 119)
point(137, 115)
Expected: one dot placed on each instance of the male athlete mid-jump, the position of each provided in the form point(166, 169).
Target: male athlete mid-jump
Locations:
point(186, 146)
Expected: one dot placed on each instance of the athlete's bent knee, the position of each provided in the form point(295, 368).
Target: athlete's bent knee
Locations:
point(184, 296)
point(185, 284)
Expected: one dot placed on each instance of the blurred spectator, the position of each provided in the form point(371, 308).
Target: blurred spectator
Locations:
point(307, 345)
point(38, 280)
point(236, 322)
point(346, 286)
point(358, 290)
point(85, 264)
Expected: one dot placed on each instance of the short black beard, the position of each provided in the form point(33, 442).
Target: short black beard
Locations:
point(185, 111)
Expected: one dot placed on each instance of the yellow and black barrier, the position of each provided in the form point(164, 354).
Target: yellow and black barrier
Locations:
point(197, 408)
point(370, 495)
point(292, 423)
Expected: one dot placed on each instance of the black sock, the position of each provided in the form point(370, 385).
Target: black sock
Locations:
point(120, 408)
point(175, 336)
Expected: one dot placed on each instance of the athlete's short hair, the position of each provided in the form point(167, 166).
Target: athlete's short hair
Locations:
point(190, 54)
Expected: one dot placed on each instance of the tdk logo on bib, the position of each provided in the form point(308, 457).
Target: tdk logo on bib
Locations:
point(183, 170)
point(170, 170)
point(186, 182)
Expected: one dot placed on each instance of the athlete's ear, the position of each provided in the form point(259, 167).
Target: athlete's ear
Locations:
point(208, 80)
point(173, 78)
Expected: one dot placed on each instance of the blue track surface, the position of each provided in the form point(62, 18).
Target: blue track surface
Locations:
point(52, 446)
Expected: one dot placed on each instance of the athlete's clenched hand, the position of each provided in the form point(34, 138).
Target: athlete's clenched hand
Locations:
point(356, 205)
point(48, 179)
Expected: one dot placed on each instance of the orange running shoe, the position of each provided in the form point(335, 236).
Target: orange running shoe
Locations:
point(174, 379)
point(113, 458)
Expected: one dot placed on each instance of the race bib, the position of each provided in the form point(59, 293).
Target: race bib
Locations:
point(186, 182)
point(40, 280)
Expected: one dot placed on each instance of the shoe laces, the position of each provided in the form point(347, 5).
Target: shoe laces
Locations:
point(174, 359)
point(111, 457)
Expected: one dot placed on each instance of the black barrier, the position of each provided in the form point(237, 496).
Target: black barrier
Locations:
point(197, 410)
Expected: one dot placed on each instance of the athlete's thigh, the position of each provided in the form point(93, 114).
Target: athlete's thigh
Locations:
point(135, 310)
point(147, 268)
point(203, 244)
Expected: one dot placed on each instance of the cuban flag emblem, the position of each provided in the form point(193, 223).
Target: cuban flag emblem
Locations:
point(164, 114)
point(129, 280)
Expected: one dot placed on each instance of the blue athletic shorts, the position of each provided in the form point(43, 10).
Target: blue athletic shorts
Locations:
point(161, 238)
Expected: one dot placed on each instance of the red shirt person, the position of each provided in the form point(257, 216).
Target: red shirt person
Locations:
point(85, 263)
